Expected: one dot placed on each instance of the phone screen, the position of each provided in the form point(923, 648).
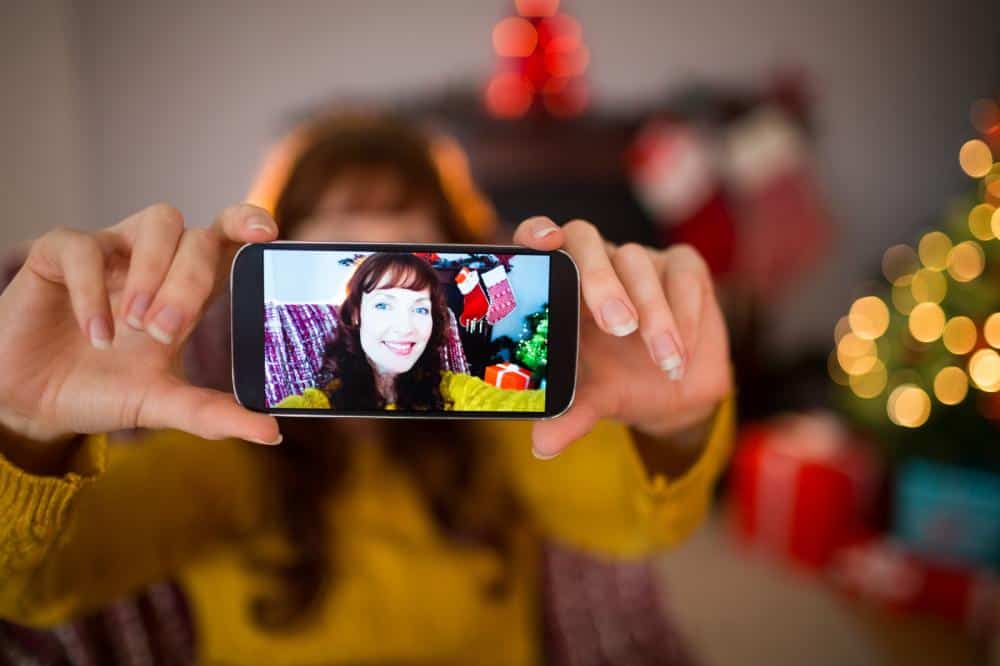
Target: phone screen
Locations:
point(411, 331)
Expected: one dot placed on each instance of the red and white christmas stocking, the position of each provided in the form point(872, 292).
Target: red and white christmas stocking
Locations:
point(502, 301)
point(476, 305)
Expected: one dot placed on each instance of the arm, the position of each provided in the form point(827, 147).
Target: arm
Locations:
point(117, 518)
point(602, 496)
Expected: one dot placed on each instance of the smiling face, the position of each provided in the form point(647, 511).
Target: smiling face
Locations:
point(394, 326)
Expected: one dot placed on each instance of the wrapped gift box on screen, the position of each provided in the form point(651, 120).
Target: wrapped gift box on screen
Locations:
point(801, 488)
point(508, 376)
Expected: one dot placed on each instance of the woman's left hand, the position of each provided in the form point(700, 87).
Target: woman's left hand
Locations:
point(653, 352)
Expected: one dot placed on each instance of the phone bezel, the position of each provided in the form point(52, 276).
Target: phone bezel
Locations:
point(247, 307)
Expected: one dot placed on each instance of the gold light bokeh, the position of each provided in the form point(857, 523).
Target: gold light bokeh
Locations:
point(991, 330)
point(842, 328)
point(975, 158)
point(837, 373)
point(981, 221)
point(899, 261)
point(951, 385)
point(926, 322)
point(908, 406)
point(995, 219)
point(966, 261)
point(869, 317)
point(984, 369)
point(928, 286)
point(902, 295)
point(933, 250)
point(856, 355)
point(959, 335)
point(870, 384)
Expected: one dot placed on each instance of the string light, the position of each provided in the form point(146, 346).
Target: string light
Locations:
point(899, 261)
point(926, 322)
point(908, 406)
point(870, 384)
point(959, 335)
point(980, 221)
point(975, 158)
point(902, 295)
point(869, 317)
point(928, 286)
point(933, 250)
point(991, 330)
point(966, 261)
point(514, 37)
point(856, 355)
point(951, 385)
point(984, 369)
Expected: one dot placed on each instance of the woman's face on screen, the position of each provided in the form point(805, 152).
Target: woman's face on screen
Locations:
point(395, 325)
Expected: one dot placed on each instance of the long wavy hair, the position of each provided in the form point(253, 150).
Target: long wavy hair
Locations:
point(443, 457)
point(347, 376)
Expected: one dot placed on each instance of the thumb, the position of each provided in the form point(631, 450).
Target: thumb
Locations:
point(206, 413)
point(552, 437)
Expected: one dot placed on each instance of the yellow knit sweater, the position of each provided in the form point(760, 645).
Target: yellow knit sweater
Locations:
point(176, 505)
point(458, 390)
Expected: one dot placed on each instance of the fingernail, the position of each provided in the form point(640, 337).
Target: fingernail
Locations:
point(617, 318)
point(165, 325)
point(274, 443)
point(257, 223)
point(668, 356)
point(544, 231)
point(100, 332)
point(542, 456)
point(136, 311)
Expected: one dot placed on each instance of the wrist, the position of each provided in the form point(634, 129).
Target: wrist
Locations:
point(35, 449)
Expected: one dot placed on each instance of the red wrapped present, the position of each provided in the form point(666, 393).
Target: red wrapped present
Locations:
point(801, 488)
point(507, 376)
point(884, 572)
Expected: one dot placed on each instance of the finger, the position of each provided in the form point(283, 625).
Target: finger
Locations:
point(76, 260)
point(209, 414)
point(154, 234)
point(189, 282)
point(243, 223)
point(688, 286)
point(639, 274)
point(603, 292)
point(539, 233)
point(552, 437)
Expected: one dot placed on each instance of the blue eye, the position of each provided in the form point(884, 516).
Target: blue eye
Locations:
point(423, 309)
point(381, 306)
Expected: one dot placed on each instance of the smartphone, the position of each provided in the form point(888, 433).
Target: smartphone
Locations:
point(391, 330)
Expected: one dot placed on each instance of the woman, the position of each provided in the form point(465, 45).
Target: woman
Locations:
point(356, 540)
point(387, 351)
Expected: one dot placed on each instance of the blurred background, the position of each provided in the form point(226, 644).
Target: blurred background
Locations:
point(834, 162)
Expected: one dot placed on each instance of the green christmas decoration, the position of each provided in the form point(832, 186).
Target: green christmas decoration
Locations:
point(918, 360)
point(533, 348)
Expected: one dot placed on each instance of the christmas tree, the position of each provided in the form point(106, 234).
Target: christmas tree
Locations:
point(533, 349)
point(918, 360)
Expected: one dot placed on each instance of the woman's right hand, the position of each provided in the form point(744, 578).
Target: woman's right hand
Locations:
point(92, 325)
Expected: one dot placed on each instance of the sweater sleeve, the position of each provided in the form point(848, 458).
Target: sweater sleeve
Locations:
point(598, 495)
point(468, 393)
point(120, 518)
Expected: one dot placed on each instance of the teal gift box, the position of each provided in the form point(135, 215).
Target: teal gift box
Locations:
point(949, 513)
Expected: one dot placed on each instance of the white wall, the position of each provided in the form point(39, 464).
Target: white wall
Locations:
point(182, 98)
point(42, 139)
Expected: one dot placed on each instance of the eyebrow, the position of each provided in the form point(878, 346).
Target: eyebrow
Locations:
point(393, 297)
